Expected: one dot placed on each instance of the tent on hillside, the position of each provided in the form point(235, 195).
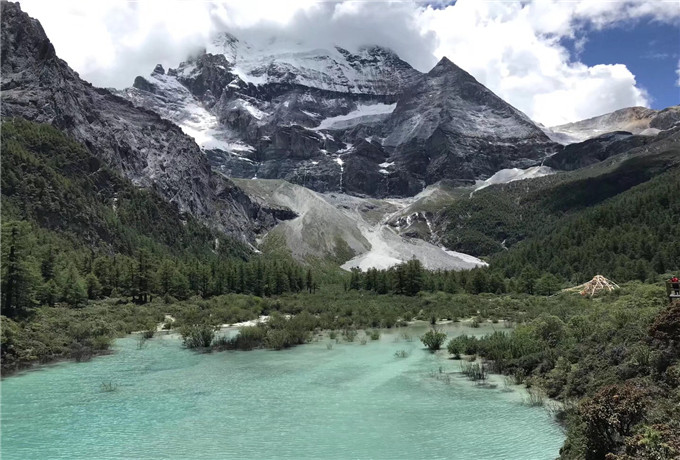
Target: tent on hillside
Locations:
point(595, 286)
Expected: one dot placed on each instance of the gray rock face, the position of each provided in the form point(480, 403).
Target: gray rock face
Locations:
point(449, 126)
point(636, 120)
point(149, 150)
point(330, 120)
point(666, 118)
point(591, 151)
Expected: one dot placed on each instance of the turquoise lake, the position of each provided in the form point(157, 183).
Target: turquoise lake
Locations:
point(352, 401)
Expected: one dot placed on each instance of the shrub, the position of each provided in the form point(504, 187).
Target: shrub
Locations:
point(433, 339)
point(455, 347)
point(277, 339)
point(375, 335)
point(463, 344)
point(149, 332)
point(474, 371)
point(249, 337)
point(401, 354)
point(197, 335)
point(349, 334)
point(611, 415)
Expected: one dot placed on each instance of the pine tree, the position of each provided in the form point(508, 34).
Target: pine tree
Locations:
point(20, 278)
point(309, 283)
point(73, 291)
point(165, 276)
point(355, 279)
point(94, 288)
point(143, 280)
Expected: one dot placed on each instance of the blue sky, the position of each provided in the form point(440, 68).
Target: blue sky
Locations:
point(650, 50)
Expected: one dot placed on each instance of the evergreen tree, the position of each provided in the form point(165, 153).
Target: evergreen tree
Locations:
point(94, 288)
point(355, 279)
point(143, 279)
point(309, 281)
point(49, 293)
point(547, 284)
point(20, 277)
point(73, 290)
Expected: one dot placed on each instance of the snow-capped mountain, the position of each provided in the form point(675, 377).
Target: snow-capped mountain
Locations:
point(371, 70)
point(361, 122)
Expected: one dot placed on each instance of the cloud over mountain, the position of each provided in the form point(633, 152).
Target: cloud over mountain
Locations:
point(513, 48)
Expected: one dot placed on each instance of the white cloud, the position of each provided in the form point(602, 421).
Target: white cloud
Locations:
point(511, 47)
point(515, 50)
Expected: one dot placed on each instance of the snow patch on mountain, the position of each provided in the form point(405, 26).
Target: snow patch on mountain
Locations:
point(173, 101)
point(362, 114)
point(510, 175)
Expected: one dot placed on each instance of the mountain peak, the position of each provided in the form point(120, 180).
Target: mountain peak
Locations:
point(445, 66)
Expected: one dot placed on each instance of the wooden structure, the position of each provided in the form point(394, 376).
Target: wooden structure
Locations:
point(595, 286)
point(673, 290)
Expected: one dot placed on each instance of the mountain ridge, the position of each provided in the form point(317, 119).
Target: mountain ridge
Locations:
point(149, 150)
point(275, 118)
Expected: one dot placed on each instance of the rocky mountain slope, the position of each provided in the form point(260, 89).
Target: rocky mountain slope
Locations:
point(362, 122)
point(634, 120)
point(353, 231)
point(147, 149)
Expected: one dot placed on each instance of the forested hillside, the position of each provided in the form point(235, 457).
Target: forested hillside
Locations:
point(75, 230)
point(620, 218)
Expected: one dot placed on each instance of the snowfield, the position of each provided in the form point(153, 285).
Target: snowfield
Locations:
point(173, 101)
point(510, 175)
point(271, 59)
point(363, 114)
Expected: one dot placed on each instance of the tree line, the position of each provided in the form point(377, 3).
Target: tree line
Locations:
point(35, 273)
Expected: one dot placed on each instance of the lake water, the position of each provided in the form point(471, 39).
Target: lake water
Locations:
point(350, 402)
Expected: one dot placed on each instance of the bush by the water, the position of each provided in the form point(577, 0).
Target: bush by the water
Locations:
point(433, 339)
point(197, 335)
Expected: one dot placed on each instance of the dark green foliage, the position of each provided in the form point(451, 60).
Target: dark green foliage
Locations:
point(410, 278)
point(631, 236)
point(462, 345)
point(619, 356)
point(276, 334)
point(502, 215)
point(56, 183)
point(20, 273)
